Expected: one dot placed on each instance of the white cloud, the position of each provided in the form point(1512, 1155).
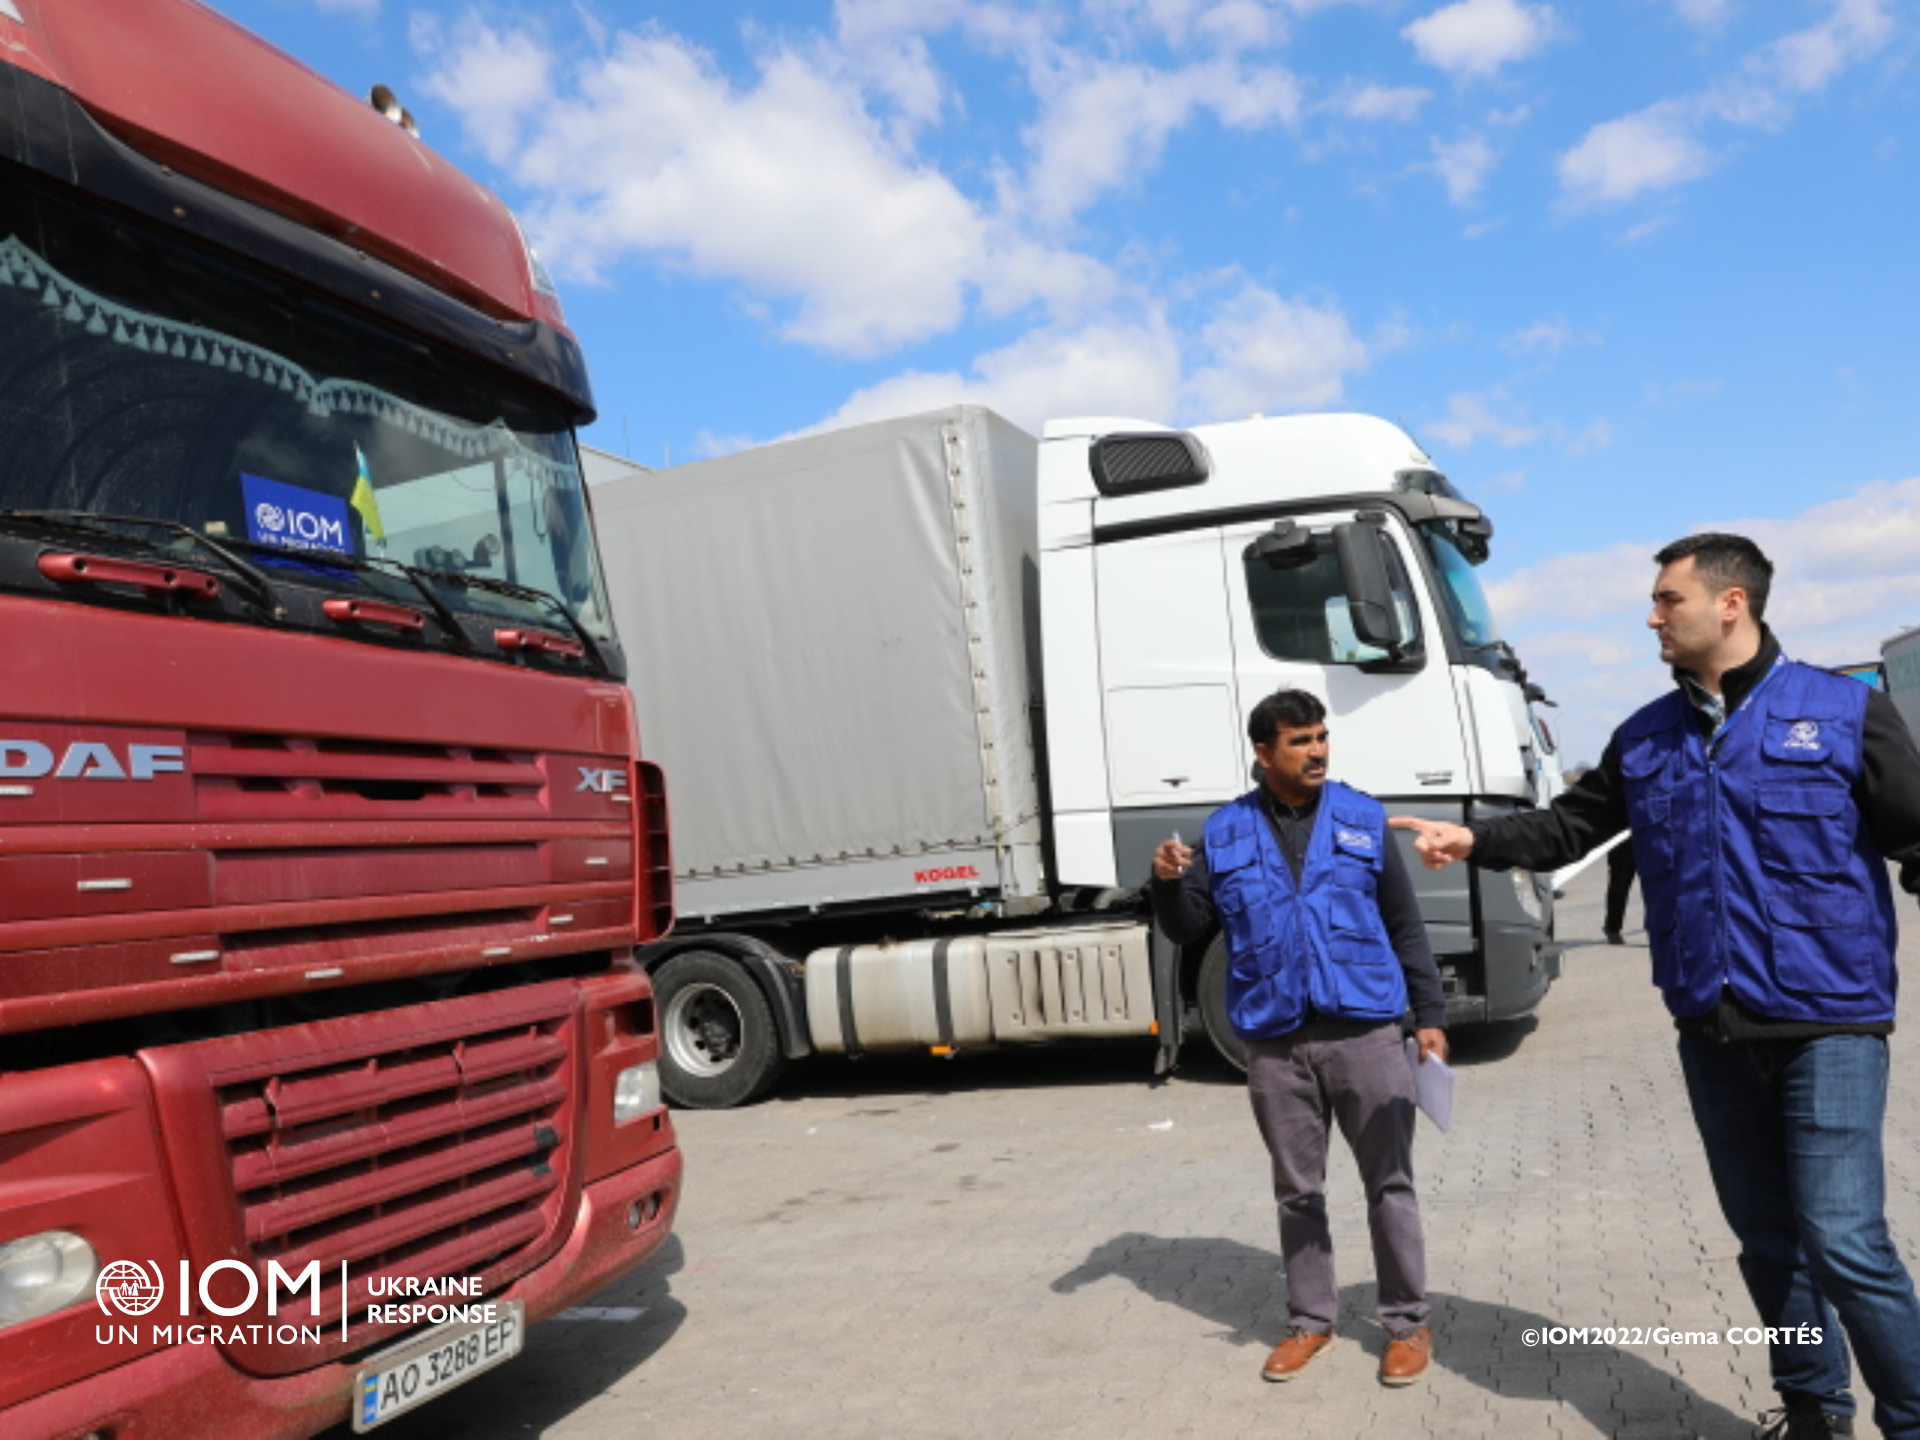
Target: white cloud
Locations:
point(1809, 60)
point(1474, 38)
point(1597, 436)
point(1251, 350)
point(1228, 25)
point(1107, 368)
point(788, 186)
point(1463, 166)
point(1703, 14)
point(1474, 417)
point(1654, 149)
point(1266, 352)
point(1662, 146)
point(1380, 102)
point(1103, 124)
point(1546, 337)
point(1844, 580)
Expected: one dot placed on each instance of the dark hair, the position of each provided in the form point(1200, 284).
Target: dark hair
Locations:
point(1283, 709)
point(1724, 561)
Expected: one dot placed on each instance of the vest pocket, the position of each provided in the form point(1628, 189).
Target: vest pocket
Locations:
point(1805, 830)
point(1370, 983)
point(1809, 958)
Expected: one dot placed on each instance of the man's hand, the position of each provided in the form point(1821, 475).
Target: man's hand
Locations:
point(1432, 1042)
point(1439, 842)
point(1171, 860)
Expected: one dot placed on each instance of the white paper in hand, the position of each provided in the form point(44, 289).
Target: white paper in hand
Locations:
point(1432, 1085)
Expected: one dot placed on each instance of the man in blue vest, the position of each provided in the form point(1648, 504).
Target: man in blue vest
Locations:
point(1325, 948)
point(1764, 799)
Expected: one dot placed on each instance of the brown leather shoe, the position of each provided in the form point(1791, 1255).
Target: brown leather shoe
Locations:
point(1291, 1355)
point(1406, 1356)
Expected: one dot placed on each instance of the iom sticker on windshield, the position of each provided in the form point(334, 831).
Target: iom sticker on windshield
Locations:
point(288, 517)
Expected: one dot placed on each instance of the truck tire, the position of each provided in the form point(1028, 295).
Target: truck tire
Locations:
point(718, 1043)
point(1213, 1006)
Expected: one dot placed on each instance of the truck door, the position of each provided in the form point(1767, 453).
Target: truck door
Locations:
point(1174, 734)
point(1397, 734)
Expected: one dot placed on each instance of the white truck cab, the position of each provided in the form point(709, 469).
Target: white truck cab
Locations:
point(1187, 574)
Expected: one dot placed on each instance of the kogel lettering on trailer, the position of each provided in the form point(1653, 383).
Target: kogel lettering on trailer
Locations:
point(945, 873)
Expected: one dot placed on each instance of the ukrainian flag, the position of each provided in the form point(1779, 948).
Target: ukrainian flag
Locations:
point(362, 499)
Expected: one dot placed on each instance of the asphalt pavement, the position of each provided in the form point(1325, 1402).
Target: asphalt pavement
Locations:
point(1050, 1245)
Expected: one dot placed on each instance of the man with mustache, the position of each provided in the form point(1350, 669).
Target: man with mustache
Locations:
point(1765, 798)
point(1325, 948)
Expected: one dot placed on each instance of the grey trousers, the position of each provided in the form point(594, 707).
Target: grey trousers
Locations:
point(1356, 1074)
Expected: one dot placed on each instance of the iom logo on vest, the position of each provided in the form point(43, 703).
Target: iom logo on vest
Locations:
point(290, 518)
point(1805, 735)
point(1358, 840)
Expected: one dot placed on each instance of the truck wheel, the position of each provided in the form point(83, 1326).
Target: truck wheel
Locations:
point(718, 1043)
point(1213, 1006)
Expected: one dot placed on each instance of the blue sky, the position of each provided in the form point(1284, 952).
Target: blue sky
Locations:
point(1626, 269)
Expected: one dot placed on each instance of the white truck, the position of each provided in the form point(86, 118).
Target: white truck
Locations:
point(928, 692)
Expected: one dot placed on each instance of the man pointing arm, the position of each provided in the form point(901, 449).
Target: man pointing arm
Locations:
point(1764, 798)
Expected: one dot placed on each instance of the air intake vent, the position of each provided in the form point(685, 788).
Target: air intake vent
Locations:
point(1134, 464)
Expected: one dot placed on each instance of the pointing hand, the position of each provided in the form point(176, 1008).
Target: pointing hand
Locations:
point(1438, 842)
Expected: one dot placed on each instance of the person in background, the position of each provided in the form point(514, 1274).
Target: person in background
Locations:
point(1620, 871)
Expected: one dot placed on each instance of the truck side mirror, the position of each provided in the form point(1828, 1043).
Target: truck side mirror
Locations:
point(1285, 547)
point(1476, 538)
point(1362, 553)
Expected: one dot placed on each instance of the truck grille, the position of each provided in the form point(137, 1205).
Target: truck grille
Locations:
point(434, 1150)
point(264, 777)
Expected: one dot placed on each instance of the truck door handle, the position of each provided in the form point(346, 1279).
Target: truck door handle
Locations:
point(100, 570)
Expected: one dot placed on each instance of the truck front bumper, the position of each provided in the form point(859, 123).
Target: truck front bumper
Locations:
point(191, 1392)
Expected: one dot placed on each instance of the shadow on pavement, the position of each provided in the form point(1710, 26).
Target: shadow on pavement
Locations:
point(566, 1364)
point(1240, 1289)
point(1484, 1044)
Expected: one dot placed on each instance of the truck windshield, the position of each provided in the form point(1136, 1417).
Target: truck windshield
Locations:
point(144, 378)
point(1466, 602)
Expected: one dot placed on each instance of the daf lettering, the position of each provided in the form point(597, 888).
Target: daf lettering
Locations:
point(88, 760)
point(601, 782)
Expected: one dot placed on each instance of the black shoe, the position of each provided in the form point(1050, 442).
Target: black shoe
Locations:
point(1800, 1420)
point(1613, 938)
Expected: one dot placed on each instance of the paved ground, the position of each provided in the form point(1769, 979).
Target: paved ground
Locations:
point(1050, 1246)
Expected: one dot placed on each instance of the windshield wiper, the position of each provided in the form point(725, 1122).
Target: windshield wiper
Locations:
point(377, 565)
point(540, 598)
point(265, 597)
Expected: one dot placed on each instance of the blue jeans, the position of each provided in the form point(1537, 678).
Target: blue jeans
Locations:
point(1792, 1134)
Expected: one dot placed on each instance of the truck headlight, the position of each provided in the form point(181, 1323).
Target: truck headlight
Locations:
point(635, 1091)
point(1528, 894)
point(44, 1273)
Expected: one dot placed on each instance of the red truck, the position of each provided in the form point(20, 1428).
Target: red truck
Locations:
point(325, 843)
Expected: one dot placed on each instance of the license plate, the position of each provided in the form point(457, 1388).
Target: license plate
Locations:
point(409, 1375)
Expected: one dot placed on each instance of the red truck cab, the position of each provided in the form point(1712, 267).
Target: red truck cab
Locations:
point(325, 842)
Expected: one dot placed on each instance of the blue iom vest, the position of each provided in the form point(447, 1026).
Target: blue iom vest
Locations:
point(1758, 873)
point(1318, 946)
